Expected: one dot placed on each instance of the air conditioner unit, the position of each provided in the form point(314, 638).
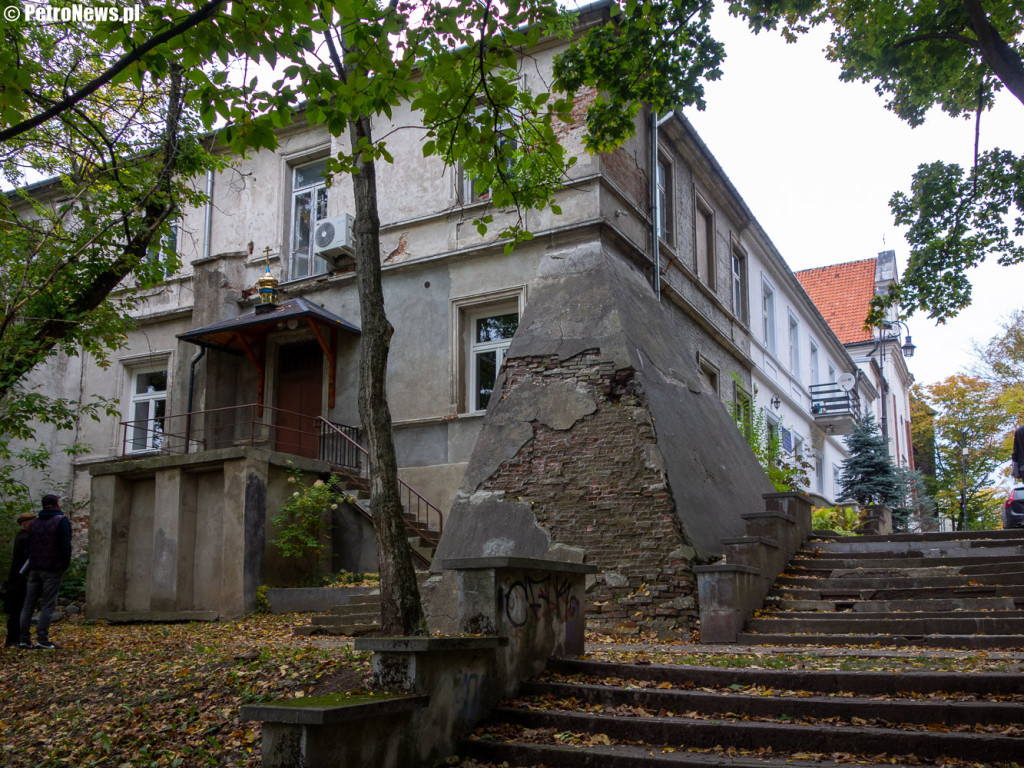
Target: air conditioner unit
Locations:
point(333, 237)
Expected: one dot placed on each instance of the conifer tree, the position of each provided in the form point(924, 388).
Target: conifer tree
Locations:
point(869, 476)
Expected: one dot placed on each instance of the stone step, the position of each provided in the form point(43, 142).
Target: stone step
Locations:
point(863, 683)
point(787, 703)
point(916, 541)
point(780, 736)
point(529, 753)
point(971, 548)
point(1011, 578)
point(1006, 623)
point(900, 593)
point(970, 642)
point(895, 606)
point(363, 616)
point(342, 630)
point(847, 563)
point(962, 572)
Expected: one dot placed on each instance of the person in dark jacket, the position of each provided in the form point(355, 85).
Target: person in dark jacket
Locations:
point(49, 555)
point(14, 596)
point(1017, 463)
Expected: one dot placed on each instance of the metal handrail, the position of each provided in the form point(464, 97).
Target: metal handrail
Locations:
point(832, 400)
point(414, 502)
point(178, 442)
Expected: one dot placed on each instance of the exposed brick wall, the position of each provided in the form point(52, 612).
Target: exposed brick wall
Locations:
point(595, 486)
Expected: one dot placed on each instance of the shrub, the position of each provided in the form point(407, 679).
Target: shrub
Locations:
point(842, 520)
point(72, 585)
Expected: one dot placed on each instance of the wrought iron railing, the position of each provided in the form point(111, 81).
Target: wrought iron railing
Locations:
point(339, 445)
point(253, 424)
point(831, 400)
point(415, 504)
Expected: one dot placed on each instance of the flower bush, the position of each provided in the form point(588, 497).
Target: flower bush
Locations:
point(301, 520)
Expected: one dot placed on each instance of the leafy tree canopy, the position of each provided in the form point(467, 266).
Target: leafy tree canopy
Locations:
point(953, 55)
point(969, 416)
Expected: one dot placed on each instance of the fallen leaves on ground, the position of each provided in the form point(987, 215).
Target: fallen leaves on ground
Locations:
point(127, 696)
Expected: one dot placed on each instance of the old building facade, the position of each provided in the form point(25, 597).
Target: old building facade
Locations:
point(572, 396)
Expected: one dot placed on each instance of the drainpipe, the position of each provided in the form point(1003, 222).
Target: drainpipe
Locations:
point(191, 395)
point(208, 220)
point(655, 201)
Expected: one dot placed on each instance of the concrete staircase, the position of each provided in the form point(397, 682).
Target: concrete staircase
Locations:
point(582, 713)
point(359, 616)
point(934, 590)
point(422, 539)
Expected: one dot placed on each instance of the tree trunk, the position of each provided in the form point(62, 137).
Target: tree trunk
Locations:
point(996, 52)
point(401, 609)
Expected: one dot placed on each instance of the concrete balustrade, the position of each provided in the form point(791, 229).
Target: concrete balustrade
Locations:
point(731, 590)
point(516, 613)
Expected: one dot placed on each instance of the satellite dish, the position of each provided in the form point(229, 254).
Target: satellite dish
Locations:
point(846, 381)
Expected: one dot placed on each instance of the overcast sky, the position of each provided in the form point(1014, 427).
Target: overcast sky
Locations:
point(817, 160)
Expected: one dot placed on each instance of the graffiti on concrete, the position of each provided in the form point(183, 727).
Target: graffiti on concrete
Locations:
point(525, 600)
point(469, 691)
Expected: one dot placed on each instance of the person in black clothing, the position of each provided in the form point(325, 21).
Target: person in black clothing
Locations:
point(1017, 463)
point(49, 555)
point(14, 594)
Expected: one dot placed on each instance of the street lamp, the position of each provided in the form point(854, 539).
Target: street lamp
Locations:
point(963, 486)
point(908, 348)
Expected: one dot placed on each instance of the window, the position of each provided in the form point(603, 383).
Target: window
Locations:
point(739, 283)
point(794, 345)
point(831, 373)
point(704, 242)
point(768, 316)
point(708, 373)
point(309, 206)
point(819, 473)
point(743, 409)
point(815, 364)
point(665, 202)
point(773, 433)
point(148, 409)
point(491, 333)
point(798, 445)
point(165, 249)
point(472, 189)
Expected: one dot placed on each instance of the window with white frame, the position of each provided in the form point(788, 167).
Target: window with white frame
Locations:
point(704, 242)
point(819, 473)
point(739, 283)
point(148, 408)
point(794, 345)
point(831, 373)
point(798, 444)
point(815, 363)
point(768, 315)
point(490, 334)
point(309, 206)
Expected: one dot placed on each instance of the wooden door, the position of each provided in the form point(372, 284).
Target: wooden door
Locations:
point(300, 383)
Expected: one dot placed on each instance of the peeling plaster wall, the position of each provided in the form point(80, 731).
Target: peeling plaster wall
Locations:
point(603, 440)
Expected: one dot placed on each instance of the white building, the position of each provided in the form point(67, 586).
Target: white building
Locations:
point(843, 293)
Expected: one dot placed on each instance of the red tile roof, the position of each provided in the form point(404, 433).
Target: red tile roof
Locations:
point(842, 293)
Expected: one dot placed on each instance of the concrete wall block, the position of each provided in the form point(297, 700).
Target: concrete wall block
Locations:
point(728, 595)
